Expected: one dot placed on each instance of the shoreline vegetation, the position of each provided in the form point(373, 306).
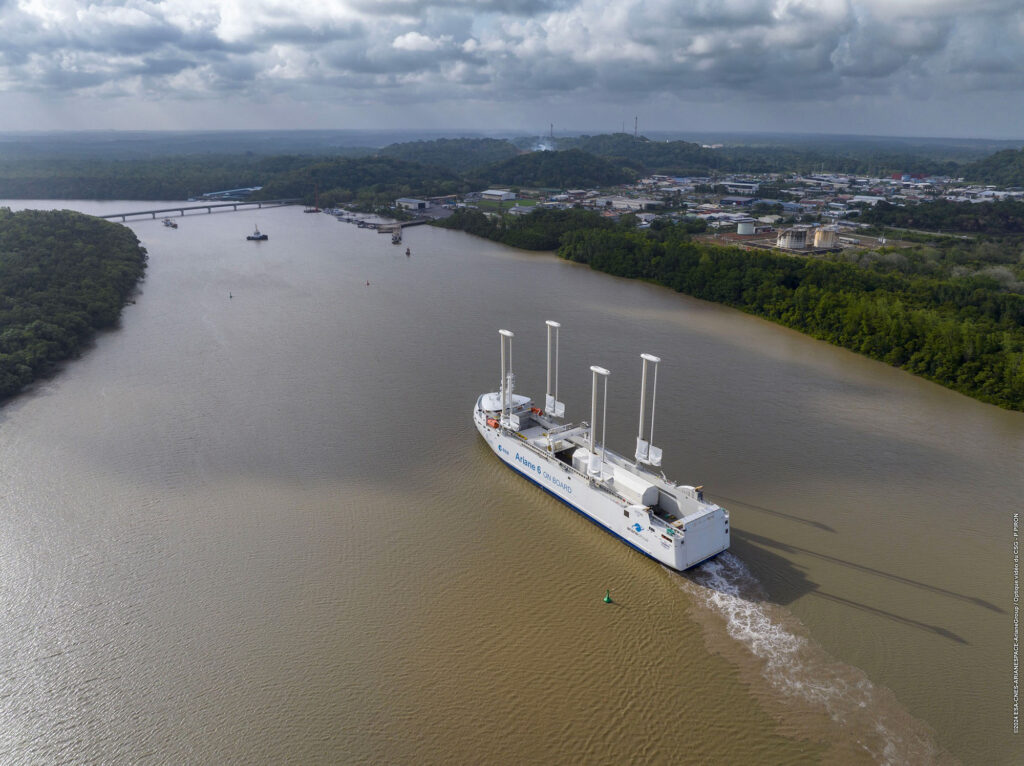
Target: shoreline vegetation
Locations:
point(963, 332)
point(63, 276)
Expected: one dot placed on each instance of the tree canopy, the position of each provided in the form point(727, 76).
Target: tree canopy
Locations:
point(63, 275)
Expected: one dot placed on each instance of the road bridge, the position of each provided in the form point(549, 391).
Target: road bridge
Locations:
point(180, 210)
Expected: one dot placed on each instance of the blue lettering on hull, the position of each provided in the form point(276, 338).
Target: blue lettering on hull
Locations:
point(581, 512)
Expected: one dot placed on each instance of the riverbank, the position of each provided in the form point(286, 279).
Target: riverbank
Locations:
point(63, 276)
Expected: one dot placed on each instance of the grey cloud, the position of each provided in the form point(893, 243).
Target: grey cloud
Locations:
point(158, 67)
point(507, 7)
point(519, 51)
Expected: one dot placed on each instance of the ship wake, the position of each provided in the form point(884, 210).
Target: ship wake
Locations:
point(821, 698)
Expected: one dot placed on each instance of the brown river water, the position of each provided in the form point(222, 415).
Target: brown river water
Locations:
point(262, 528)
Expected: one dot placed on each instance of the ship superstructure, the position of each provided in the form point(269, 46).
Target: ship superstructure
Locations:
point(673, 524)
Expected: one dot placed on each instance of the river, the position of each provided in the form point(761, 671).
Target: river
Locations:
point(254, 523)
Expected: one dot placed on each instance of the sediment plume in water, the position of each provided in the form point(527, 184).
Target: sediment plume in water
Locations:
point(812, 694)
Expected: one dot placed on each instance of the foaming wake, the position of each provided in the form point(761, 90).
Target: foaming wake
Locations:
point(802, 672)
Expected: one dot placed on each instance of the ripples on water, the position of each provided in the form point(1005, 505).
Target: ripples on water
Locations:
point(776, 644)
point(228, 538)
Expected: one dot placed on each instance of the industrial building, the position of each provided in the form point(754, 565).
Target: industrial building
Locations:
point(408, 203)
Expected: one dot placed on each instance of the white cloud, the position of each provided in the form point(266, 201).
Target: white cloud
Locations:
point(414, 41)
point(517, 54)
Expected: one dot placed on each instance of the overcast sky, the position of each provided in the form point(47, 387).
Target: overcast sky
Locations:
point(882, 67)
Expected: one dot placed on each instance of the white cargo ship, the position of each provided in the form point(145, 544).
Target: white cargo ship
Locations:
point(671, 523)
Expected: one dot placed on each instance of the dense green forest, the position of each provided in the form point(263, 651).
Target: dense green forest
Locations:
point(49, 168)
point(369, 182)
point(964, 332)
point(166, 178)
point(1004, 168)
point(630, 156)
point(1002, 217)
point(571, 169)
point(688, 159)
point(63, 275)
point(458, 155)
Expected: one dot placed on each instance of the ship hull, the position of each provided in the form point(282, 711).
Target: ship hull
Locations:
point(706, 535)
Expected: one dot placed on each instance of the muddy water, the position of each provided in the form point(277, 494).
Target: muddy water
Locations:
point(262, 527)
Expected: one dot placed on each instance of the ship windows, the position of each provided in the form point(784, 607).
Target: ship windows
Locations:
point(625, 512)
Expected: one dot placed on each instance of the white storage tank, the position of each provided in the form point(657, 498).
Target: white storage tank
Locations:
point(826, 237)
point(792, 239)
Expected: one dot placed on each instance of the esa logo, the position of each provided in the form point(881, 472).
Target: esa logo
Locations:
point(502, 449)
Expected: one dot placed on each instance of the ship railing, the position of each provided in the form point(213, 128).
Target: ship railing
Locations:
point(563, 427)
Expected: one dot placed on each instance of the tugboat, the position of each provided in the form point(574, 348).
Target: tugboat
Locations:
point(257, 236)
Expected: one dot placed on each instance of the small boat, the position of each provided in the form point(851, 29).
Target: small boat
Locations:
point(168, 222)
point(257, 235)
point(407, 252)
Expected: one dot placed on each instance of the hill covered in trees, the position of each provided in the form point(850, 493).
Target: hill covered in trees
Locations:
point(685, 158)
point(458, 155)
point(51, 168)
point(63, 275)
point(367, 181)
point(1005, 168)
point(571, 169)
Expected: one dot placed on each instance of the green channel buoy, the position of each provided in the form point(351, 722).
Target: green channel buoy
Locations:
point(607, 597)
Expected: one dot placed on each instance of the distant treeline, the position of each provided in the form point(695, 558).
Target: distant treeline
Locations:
point(368, 182)
point(449, 166)
point(966, 333)
point(167, 178)
point(991, 218)
point(586, 161)
point(63, 275)
point(458, 155)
